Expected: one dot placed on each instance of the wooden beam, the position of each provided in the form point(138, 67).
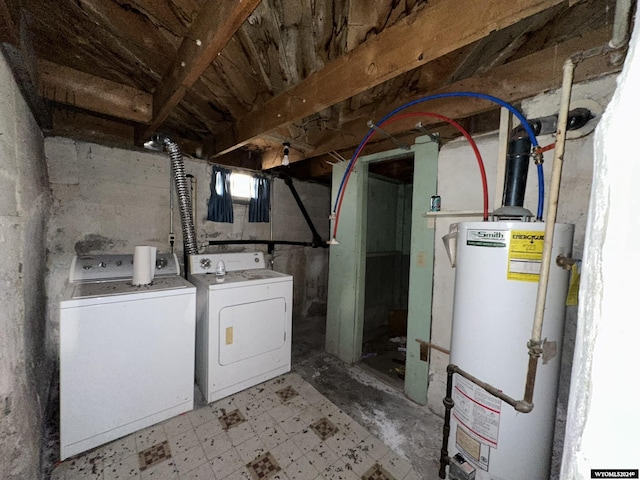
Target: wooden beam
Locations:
point(9, 32)
point(498, 48)
point(214, 26)
point(512, 82)
point(318, 168)
point(71, 87)
point(72, 123)
point(418, 39)
point(241, 158)
point(18, 50)
point(83, 126)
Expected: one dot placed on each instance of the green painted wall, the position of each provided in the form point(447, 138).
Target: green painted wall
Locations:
point(347, 263)
point(345, 298)
point(425, 174)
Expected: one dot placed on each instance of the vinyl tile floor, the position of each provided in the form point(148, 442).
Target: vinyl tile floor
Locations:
point(282, 429)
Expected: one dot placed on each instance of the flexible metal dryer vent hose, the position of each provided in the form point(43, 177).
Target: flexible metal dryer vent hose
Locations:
point(184, 200)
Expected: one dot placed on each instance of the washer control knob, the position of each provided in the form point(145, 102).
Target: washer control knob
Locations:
point(102, 264)
point(205, 263)
point(161, 263)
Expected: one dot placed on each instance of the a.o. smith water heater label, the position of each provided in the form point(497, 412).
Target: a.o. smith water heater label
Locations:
point(487, 238)
point(477, 410)
point(525, 255)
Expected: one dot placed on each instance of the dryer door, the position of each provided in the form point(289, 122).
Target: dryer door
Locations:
point(251, 329)
point(250, 336)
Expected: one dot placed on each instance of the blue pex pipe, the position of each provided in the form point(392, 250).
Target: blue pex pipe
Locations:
point(483, 96)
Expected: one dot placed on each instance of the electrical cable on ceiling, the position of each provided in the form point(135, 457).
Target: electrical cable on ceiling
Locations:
point(386, 118)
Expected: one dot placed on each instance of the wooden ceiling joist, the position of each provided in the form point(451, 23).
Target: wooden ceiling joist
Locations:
point(79, 89)
point(214, 26)
point(9, 32)
point(512, 82)
point(433, 32)
point(84, 126)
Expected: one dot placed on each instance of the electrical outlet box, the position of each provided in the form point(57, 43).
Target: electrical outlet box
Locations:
point(172, 238)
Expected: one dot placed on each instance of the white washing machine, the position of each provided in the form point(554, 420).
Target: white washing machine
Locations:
point(243, 331)
point(126, 352)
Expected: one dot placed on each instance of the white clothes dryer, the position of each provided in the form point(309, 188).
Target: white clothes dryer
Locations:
point(126, 352)
point(243, 327)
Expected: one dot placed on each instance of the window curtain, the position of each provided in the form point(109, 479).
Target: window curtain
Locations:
point(259, 201)
point(220, 202)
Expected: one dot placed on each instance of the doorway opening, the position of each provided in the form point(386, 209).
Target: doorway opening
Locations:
point(388, 249)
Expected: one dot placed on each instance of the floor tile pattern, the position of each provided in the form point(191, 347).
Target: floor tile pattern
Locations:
point(264, 466)
point(231, 419)
point(153, 455)
point(282, 429)
point(324, 428)
point(377, 472)
point(287, 393)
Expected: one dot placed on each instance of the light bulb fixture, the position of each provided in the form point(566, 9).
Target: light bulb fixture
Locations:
point(285, 156)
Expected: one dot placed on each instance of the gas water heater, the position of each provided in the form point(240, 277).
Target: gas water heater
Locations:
point(496, 283)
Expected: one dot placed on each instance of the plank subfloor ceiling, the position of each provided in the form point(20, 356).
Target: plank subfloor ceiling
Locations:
point(233, 81)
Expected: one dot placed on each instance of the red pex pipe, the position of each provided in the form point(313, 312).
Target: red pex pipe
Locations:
point(455, 124)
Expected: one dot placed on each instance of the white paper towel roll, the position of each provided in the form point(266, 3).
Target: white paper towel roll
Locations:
point(144, 265)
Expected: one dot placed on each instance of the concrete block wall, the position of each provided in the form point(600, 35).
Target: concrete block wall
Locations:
point(459, 187)
point(309, 266)
point(25, 366)
point(108, 200)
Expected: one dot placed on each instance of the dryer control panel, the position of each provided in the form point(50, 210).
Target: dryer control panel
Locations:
point(233, 262)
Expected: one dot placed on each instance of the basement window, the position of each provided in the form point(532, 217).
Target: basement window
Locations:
point(228, 187)
point(241, 186)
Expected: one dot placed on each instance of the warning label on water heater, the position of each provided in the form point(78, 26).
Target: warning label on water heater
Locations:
point(525, 255)
point(477, 410)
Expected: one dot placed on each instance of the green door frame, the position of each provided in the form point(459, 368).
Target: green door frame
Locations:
point(347, 263)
